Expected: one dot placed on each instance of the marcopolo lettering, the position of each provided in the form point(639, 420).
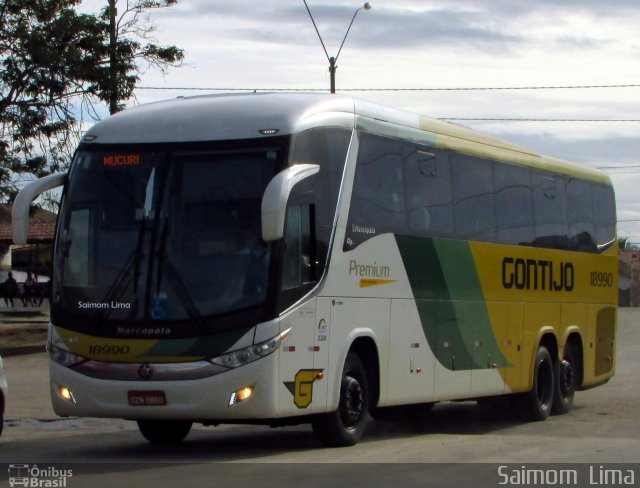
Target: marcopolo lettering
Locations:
point(537, 274)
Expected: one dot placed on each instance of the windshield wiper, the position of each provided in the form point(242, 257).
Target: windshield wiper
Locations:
point(119, 285)
point(160, 255)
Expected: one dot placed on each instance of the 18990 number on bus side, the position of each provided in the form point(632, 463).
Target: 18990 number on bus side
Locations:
point(601, 279)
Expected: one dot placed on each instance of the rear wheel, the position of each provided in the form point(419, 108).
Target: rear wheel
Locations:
point(164, 431)
point(346, 426)
point(536, 404)
point(566, 382)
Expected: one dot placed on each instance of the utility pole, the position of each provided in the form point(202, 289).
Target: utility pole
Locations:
point(113, 58)
point(332, 60)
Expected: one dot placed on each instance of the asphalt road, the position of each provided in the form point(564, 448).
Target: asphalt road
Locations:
point(604, 427)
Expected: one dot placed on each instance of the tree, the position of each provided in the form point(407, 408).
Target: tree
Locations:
point(130, 43)
point(48, 55)
point(55, 64)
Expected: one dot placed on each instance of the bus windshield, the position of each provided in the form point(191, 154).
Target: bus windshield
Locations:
point(160, 235)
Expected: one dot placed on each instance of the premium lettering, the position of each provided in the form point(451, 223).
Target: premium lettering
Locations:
point(368, 270)
point(537, 274)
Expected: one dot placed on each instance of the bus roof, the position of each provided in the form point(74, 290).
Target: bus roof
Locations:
point(249, 116)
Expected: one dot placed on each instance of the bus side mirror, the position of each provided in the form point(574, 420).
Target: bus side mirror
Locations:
point(20, 209)
point(274, 200)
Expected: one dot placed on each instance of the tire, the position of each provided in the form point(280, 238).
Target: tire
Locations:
point(346, 426)
point(567, 374)
point(164, 431)
point(536, 404)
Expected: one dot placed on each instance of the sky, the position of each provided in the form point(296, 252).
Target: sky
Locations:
point(435, 44)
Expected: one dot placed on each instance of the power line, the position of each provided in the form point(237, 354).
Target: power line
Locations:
point(459, 119)
point(485, 88)
point(506, 119)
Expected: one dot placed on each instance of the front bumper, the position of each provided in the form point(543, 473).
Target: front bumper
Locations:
point(193, 399)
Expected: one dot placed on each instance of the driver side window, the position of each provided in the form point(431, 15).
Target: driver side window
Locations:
point(298, 263)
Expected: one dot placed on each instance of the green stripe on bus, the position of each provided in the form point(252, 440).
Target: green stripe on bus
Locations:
point(450, 302)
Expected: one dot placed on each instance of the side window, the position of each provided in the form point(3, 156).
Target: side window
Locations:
point(298, 253)
point(377, 201)
point(473, 203)
point(580, 215)
point(427, 176)
point(604, 213)
point(549, 211)
point(514, 206)
point(327, 148)
point(76, 243)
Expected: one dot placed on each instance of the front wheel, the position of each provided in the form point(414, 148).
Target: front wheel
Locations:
point(164, 431)
point(536, 404)
point(346, 426)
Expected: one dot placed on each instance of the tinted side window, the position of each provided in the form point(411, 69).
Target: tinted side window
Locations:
point(604, 213)
point(580, 215)
point(327, 148)
point(427, 176)
point(473, 203)
point(378, 200)
point(514, 205)
point(549, 211)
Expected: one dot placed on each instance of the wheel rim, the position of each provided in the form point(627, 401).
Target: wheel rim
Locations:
point(352, 402)
point(544, 383)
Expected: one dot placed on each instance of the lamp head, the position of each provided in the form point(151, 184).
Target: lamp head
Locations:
point(367, 6)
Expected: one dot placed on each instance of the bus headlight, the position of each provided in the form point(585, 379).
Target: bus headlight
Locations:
point(64, 357)
point(251, 353)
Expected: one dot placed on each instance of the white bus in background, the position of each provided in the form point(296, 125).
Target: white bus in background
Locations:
point(288, 258)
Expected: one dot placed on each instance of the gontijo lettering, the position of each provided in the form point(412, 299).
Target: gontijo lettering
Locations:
point(537, 274)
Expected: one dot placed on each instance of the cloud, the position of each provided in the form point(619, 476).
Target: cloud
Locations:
point(605, 151)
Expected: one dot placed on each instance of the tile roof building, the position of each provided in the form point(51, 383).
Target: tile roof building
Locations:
point(36, 255)
point(42, 225)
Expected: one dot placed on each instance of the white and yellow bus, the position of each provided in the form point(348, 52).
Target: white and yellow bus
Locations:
point(289, 258)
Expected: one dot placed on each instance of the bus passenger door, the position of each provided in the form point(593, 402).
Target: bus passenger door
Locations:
point(297, 371)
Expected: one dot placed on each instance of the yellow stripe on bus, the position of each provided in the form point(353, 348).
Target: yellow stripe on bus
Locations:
point(366, 282)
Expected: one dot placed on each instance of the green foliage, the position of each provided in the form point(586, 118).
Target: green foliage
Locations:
point(54, 64)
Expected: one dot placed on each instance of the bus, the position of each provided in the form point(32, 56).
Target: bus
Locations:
point(280, 258)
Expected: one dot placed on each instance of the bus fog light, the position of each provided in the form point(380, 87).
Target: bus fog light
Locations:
point(67, 394)
point(240, 395)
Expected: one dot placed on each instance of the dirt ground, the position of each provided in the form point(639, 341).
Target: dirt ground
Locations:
point(22, 327)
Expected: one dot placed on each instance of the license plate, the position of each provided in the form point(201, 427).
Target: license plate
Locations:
point(147, 398)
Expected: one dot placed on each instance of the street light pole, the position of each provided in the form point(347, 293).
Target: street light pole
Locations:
point(332, 60)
